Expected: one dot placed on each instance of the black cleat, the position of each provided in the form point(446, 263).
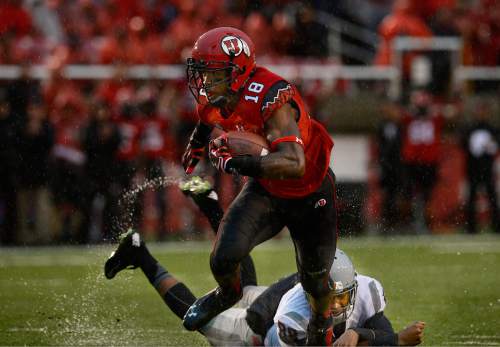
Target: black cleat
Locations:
point(207, 307)
point(126, 255)
point(320, 331)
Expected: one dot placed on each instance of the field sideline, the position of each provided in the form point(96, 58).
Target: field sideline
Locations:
point(58, 296)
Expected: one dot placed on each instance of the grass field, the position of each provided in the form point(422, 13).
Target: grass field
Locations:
point(58, 296)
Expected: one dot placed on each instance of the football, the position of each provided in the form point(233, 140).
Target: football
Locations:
point(242, 142)
point(245, 143)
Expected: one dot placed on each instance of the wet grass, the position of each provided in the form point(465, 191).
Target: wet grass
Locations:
point(58, 296)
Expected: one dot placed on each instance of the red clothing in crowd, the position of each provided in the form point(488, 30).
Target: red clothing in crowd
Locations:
point(403, 21)
point(155, 140)
point(130, 131)
point(427, 8)
point(14, 18)
point(421, 139)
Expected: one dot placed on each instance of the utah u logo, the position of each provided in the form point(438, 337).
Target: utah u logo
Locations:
point(232, 45)
point(320, 203)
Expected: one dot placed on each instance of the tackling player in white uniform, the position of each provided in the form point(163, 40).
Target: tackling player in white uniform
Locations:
point(277, 315)
point(358, 308)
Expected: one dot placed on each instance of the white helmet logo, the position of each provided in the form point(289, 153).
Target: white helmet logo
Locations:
point(232, 45)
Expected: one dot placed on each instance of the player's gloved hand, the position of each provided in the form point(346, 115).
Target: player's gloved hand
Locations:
point(219, 154)
point(192, 155)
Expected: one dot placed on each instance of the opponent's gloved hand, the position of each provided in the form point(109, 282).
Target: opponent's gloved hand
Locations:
point(192, 155)
point(219, 154)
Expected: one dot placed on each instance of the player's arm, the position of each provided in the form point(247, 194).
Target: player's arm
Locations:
point(377, 331)
point(196, 146)
point(287, 158)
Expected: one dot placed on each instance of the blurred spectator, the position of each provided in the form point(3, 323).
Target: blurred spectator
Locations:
point(185, 29)
point(442, 24)
point(14, 18)
point(68, 118)
point(156, 147)
point(420, 152)
point(283, 33)
point(481, 142)
point(308, 30)
point(18, 92)
point(259, 31)
point(428, 8)
point(46, 19)
point(36, 139)
point(8, 172)
point(129, 127)
point(403, 21)
point(101, 140)
point(389, 156)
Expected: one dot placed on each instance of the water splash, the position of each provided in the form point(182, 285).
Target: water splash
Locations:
point(127, 201)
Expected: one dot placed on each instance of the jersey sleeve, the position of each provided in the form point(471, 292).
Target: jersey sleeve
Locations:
point(292, 318)
point(373, 299)
point(277, 95)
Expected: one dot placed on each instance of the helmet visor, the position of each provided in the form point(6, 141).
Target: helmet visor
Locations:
point(204, 78)
point(342, 302)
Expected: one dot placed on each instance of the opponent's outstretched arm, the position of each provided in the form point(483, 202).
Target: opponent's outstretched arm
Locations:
point(378, 331)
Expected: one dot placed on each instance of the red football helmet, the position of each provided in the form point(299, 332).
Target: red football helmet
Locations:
point(221, 49)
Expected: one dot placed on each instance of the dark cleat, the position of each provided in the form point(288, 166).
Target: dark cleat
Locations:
point(126, 256)
point(320, 331)
point(207, 307)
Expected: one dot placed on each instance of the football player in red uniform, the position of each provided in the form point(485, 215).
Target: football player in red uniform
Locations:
point(292, 186)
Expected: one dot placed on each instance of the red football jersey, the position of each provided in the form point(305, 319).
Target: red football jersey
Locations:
point(130, 131)
point(422, 139)
point(154, 138)
point(265, 92)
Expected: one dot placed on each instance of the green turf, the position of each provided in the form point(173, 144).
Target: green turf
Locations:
point(58, 296)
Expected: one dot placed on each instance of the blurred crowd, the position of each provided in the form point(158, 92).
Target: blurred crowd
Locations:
point(59, 32)
point(67, 158)
point(149, 32)
point(434, 168)
point(69, 148)
point(476, 22)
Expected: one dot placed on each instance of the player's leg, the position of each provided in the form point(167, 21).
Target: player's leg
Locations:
point(313, 228)
point(207, 200)
point(133, 253)
point(205, 197)
point(230, 328)
point(247, 223)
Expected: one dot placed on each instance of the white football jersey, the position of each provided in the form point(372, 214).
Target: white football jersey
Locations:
point(230, 327)
point(293, 314)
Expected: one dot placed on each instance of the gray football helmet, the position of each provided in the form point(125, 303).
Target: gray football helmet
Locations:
point(344, 283)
